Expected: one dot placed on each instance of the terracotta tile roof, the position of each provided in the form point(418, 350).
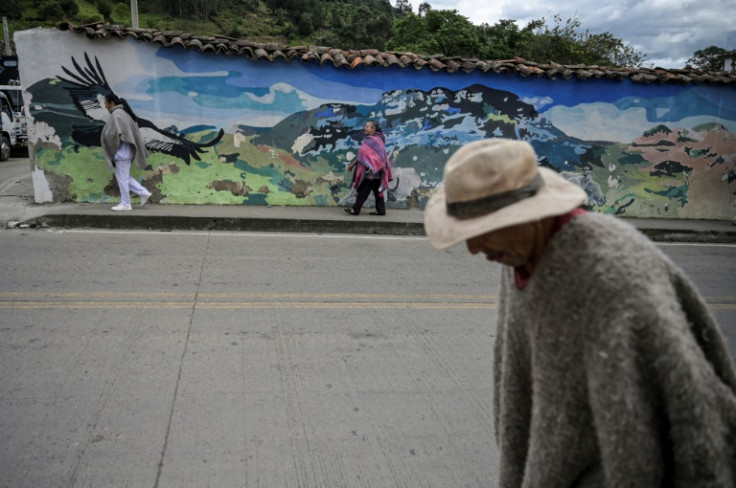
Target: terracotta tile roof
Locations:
point(372, 57)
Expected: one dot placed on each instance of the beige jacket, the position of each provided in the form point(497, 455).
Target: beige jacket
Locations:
point(121, 127)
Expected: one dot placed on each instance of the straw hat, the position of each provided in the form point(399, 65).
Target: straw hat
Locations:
point(492, 184)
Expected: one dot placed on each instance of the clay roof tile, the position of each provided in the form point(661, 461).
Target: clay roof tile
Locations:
point(369, 60)
point(209, 48)
point(373, 57)
point(452, 65)
point(435, 64)
point(195, 43)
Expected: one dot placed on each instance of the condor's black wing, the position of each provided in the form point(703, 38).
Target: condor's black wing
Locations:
point(88, 88)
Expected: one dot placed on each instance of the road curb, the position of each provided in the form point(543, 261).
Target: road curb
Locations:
point(314, 226)
point(696, 236)
point(245, 224)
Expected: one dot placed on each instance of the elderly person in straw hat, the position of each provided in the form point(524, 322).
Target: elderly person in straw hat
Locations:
point(609, 369)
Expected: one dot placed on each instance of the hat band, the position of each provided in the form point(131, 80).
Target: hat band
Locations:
point(486, 205)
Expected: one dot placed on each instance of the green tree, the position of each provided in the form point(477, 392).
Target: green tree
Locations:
point(712, 58)
point(305, 24)
point(605, 49)
point(453, 34)
point(190, 9)
point(365, 28)
point(558, 44)
point(69, 7)
point(51, 10)
point(105, 9)
point(563, 43)
point(443, 32)
point(403, 7)
point(11, 9)
point(503, 39)
point(409, 34)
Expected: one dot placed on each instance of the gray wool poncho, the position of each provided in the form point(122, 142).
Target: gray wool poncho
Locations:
point(120, 126)
point(610, 371)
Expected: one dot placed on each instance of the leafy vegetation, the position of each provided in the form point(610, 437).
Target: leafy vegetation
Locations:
point(446, 31)
point(713, 58)
point(564, 43)
point(356, 24)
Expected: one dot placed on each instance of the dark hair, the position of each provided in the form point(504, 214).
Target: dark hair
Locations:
point(375, 125)
point(112, 98)
point(115, 100)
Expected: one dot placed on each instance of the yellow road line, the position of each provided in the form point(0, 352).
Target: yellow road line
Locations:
point(274, 296)
point(245, 296)
point(91, 305)
point(237, 301)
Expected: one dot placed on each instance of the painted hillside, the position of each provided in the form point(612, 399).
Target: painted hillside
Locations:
point(302, 159)
point(225, 130)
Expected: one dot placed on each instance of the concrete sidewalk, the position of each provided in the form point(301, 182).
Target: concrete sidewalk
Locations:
point(18, 210)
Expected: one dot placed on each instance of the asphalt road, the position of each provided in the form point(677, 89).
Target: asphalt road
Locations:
point(13, 170)
point(153, 359)
point(713, 270)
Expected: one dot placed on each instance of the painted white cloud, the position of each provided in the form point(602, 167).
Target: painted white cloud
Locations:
point(596, 121)
point(309, 101)
point(538, 102)
point(589, 121)
point(129, 67)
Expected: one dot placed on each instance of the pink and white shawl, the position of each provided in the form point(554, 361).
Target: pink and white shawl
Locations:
point(373, 161)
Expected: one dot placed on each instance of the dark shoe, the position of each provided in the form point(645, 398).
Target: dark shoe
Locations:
point(376, 213)
point(350, 211)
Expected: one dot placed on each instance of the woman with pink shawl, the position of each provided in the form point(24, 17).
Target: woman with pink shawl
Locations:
point(372, 170)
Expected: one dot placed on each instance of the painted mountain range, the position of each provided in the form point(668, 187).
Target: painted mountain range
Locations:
point(301, 160)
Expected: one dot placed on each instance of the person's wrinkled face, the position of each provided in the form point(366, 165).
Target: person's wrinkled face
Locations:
point(510, 246)
point(369, 129)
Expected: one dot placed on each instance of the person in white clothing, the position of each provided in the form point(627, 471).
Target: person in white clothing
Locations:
point(122, 143)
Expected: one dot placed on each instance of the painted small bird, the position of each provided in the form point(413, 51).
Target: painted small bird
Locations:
point(88, 88)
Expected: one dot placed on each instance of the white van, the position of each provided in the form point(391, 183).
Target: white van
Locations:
point(14, 127)
point(7, 128)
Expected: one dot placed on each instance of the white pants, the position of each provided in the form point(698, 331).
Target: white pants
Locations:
point(126, 183)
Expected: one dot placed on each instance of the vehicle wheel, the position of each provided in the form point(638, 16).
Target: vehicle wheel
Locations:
point(5, 148)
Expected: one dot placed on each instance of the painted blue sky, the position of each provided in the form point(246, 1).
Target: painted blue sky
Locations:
point(365, 85)
point(181, 87)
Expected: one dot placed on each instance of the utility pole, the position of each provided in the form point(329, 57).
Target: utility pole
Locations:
point(6, 34)
point(134, 13)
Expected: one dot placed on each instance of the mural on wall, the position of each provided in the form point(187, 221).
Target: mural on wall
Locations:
point(88, 89)
point(227, 130)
